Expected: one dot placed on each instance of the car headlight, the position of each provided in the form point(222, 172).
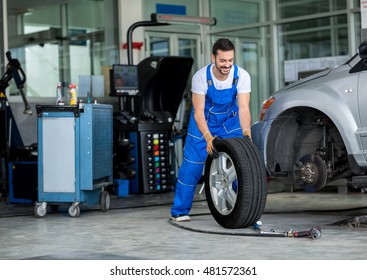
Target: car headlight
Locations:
point(265, 106)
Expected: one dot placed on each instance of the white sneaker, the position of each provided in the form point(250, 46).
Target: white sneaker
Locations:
point(181, 218)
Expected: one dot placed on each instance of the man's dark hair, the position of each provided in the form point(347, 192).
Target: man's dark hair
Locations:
point(222, 44)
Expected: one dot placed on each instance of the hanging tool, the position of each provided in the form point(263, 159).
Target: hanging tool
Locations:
point(14, 70)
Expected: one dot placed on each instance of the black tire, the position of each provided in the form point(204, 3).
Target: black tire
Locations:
point(104, 201)
point(235, 205)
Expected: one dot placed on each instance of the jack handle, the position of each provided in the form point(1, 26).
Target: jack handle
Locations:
point(14, 69)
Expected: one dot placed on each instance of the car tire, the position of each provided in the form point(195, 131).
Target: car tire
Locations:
point(235, 183)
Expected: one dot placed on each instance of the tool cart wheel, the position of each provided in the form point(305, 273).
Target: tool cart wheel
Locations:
point(104, 201)
point(74, 211)
point(40, 210)
point(235, 183)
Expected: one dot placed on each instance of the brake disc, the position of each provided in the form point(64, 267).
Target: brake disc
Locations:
point(310, 172)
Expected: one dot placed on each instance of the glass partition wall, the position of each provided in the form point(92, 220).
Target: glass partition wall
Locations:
point(61, 41)
point(270, 34)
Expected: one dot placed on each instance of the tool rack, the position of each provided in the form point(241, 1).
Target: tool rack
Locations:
point(74, 156)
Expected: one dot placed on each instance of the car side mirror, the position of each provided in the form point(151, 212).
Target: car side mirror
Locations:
point(362, 50)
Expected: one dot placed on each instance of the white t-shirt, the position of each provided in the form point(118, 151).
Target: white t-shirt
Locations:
point(199, 83)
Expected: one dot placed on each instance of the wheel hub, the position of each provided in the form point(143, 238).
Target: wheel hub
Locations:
point(223, 183)
point(310, 172)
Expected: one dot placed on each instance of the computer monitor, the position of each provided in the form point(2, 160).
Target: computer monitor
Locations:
point(124, 80)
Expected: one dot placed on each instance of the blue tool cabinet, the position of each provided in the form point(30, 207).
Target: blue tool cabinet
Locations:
point(74, 156)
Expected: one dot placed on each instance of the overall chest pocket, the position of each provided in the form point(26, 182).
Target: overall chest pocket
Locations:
point(222, 97)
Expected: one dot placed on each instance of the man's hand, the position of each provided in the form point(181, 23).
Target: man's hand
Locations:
point(248, 138)
point(210, 148)
point(215, 153)
point(209, 141)
point(247, 134)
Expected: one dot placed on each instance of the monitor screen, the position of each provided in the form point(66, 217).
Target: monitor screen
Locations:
point(124, 79)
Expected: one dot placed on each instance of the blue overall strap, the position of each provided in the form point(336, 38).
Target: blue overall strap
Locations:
point(235, 76)
point(209, 76)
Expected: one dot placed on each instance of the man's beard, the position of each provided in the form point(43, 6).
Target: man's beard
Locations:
point(226, 70)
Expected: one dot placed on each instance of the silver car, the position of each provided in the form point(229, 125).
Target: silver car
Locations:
point(314, 131)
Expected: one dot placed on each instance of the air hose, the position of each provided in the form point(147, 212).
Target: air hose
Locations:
point(313, 233)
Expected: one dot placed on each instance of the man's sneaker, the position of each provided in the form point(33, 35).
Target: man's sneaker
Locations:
point(181, 218)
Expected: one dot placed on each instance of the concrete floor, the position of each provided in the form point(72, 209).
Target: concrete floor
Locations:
point(137, 227)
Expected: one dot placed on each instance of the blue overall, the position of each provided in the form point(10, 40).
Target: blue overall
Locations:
point(221, 114)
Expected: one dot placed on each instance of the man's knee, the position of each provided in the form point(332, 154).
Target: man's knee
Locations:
point(190, 173)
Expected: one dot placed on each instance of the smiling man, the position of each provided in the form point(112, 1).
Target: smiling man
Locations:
point(221, 108)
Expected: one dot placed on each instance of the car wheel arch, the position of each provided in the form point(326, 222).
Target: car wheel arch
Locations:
point(296, 128)
point(339, 113)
